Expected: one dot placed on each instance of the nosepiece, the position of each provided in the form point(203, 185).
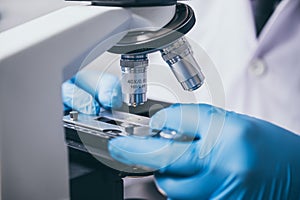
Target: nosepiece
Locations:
point(174, 48)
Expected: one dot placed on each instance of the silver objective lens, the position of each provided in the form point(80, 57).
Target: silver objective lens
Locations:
point(134, 79)
point(179, 57)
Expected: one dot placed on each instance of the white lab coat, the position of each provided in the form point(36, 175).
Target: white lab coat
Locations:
point(261, 76)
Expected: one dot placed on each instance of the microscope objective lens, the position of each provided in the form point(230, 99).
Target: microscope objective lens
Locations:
point(134, 79)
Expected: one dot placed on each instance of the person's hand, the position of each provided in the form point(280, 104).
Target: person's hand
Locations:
point(89, 90)
point(236, 157)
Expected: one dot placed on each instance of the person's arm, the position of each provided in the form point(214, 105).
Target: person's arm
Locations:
point(233, 156)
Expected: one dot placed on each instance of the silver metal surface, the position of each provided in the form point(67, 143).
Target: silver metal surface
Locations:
point(112, 124)
point(107, 124)
point(179, 56)
point(134, 79)
point(151, 41)
point(141, 131)
point(192, 83)
point(73, 115)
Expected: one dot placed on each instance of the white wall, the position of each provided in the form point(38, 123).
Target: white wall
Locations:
point(16, 12)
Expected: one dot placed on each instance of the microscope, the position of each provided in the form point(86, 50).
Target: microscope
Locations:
point(41, 158)
point(175, 51)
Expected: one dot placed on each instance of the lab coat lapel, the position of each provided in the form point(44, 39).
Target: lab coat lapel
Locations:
point(276, 28)
point(272, 76)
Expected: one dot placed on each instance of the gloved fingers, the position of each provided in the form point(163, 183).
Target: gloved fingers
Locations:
point(156, 154)
point(104, 87)
point(189, 119)
point(77, 99)
point(204, 185)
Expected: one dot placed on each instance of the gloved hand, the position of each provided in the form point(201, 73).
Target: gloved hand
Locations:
point(89, 90)
point(236, 157)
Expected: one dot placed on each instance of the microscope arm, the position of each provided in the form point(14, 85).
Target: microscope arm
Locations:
point(33, 56)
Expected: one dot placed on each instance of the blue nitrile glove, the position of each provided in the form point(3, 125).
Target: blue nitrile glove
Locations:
point(236, 157)
point(89, 90)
